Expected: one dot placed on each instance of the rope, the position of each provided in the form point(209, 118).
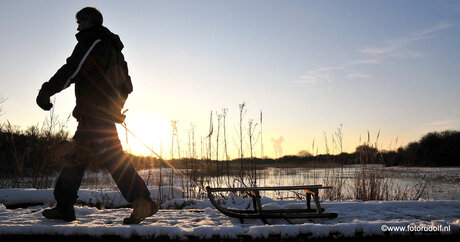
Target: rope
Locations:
point(161, 159)
point(129, 131)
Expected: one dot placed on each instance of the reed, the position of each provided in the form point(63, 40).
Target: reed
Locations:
point(33, 164)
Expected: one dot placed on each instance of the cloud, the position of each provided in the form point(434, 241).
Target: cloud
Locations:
point(444, 123)
point(328, 74)
point(380, 50)
point(362, 62)
point(357, 75)
point(409, 54)
point(306, 79)
point(323, 74)
point(426, 33)
point(396, 48)
point(325, 69)
point(399, 43)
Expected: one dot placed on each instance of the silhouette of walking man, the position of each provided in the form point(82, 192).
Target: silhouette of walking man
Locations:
point(102, 84)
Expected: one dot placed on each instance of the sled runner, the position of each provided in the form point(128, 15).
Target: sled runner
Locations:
point(311, 191)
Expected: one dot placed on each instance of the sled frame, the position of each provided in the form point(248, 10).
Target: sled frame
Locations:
point(311, 191)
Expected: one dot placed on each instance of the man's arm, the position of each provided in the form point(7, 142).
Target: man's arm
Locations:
point(64, 76)
point(127, 86)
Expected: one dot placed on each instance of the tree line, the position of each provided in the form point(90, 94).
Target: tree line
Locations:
point(41, 151)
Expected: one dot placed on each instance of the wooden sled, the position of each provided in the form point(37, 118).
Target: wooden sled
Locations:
point(259, 213)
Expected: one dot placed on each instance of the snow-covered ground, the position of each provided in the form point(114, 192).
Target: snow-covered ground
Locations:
point(182, 219)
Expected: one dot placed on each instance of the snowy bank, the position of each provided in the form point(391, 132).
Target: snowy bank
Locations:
point(199, 219)
point(104, 198)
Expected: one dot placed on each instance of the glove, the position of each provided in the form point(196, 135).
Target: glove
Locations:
point(43, 99)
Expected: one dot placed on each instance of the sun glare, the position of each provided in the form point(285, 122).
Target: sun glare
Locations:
point(152, 130)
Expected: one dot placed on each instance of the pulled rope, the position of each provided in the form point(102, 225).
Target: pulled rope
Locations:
point(129, 131)
point(161, 158)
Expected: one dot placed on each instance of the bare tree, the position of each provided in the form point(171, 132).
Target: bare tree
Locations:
point(251, 129)
point(191, 141)
point(261, 138)
point(2, 100)
point(175, 133)
point(51, 122)
point(325, 142)
point(242, 113)
point(219, 117)
point(211, 131)
point(224, 115)
point(313, 146)
point(339, 138)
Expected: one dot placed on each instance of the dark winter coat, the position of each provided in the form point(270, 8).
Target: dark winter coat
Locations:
point(100, 73)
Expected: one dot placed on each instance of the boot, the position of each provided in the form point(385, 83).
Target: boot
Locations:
point(67, 214)
point(142, 208)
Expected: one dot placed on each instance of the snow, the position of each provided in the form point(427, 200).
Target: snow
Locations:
point(180, 218)
point(103, 198)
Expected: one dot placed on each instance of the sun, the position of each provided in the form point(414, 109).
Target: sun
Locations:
point(154, 131)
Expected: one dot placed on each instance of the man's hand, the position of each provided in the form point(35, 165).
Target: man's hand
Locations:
point(43, 100)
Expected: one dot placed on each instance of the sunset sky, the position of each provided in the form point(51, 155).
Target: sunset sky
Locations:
point(311, 67)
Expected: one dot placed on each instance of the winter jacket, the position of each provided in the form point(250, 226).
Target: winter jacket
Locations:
point(100, 73)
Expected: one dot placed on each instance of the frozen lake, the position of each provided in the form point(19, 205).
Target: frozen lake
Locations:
point(401, 183)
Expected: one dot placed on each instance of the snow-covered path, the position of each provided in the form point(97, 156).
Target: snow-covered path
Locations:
point(200, 219)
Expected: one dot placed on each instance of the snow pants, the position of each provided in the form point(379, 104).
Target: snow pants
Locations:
point(96, 145)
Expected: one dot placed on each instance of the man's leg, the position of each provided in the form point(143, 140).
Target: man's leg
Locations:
point(65, 193)
point(130, 184)
point(106, 144)
point(124, 173)
point(67, 185)
point(69, 181)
